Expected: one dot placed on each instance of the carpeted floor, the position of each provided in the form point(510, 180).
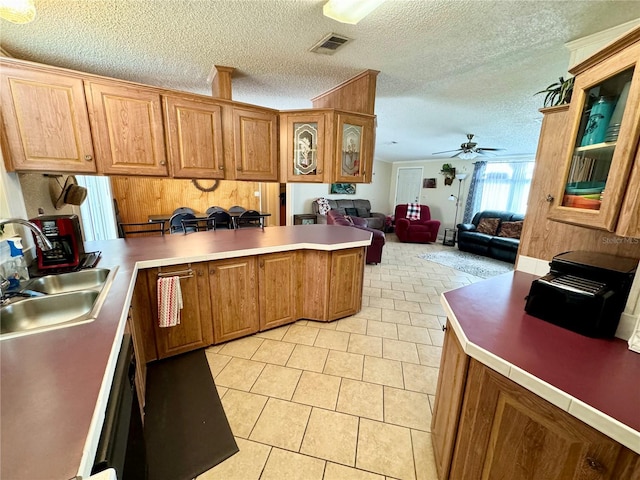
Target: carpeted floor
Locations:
point(477, 265)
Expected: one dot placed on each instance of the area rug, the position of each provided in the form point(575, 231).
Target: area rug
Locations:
point(470, 263)
point(185, 427)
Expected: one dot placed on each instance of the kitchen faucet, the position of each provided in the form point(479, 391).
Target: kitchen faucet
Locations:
point(43, 242)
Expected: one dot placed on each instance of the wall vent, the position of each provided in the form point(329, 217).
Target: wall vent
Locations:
point(330, 44)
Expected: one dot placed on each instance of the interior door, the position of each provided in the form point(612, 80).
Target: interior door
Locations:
point(408, 185)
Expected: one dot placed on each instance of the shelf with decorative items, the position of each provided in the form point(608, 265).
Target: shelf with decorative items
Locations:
point(326, 146)
point(600, 178)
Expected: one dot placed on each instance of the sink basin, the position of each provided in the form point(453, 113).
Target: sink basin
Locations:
point(43, 312)
point(68, 282)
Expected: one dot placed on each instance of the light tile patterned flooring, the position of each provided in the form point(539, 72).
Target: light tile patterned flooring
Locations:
point(350, 399)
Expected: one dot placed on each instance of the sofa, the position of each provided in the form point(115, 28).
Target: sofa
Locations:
point(374, 251)
point(354, 208)
point(492, 233)
point(422, 230)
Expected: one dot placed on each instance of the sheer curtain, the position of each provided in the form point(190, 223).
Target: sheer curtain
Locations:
point(98, 217)
point(499, 186)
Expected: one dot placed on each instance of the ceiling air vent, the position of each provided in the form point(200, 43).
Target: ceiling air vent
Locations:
point(329, 44)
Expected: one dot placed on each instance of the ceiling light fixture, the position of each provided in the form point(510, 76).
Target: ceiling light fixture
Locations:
point(467, 155)
point(17, 11)
point(349, 11)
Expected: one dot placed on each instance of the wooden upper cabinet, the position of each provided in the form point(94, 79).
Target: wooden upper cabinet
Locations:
point(255, 144)
point(194, 137)
point(306, 146)
point(127, 129)
point(354, 148)
point(598, 180)
point(45, 121)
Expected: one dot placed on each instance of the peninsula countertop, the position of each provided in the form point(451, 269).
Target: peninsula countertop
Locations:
point(595, 380)
point(55, 385)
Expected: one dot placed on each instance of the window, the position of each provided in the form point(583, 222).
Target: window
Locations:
point(505, 186)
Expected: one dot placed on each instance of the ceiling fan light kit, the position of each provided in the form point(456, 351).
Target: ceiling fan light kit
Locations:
point(470, 150)
point(350, 11)
point(17, 11)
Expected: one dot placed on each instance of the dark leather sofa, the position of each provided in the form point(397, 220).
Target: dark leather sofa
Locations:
point(374, 251)
point(494, 246)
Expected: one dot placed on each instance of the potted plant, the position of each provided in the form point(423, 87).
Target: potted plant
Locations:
point(449, 173)
point(558, 93)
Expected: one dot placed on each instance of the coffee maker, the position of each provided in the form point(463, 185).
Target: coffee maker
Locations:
point(64, 233)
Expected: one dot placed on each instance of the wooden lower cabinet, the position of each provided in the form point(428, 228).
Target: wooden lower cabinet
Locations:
point(503, 431)
point(195, 330)
point(347, 270)
point(234, 298)
point(278, 289)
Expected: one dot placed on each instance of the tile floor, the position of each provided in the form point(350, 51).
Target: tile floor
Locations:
point(350, 399)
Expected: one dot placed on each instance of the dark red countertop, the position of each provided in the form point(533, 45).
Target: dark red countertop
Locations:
point(51, 382)
point(602, 373)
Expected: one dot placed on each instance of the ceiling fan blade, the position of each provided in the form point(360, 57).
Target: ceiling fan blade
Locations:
point(447, 151)
point(491, 149)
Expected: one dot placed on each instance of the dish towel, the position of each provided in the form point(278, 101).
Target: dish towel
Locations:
point(413, 211)
point(169, 301)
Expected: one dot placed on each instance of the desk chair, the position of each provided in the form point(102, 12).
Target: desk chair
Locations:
point(249, 218)
point(197, 224)
point(175, 223)
point(146, 229)
point(220, 220)
point(183, 210)
point(237, 209)
point(214, 209)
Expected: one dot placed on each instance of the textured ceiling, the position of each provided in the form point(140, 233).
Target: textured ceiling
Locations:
point(447, 68)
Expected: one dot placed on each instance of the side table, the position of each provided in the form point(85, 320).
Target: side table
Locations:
point(449, 239)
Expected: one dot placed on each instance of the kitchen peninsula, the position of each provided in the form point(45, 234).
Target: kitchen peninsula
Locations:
point(55, 384)
point(518, 395)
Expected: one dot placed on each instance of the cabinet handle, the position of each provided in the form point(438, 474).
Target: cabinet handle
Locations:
point(319, 172)
point(200, 274)
point(212, 271)
point(239, 168)
point(594, 464)
point(221, 167)
point(549, 198)
point(88, 158)
point(261, 263)
point(163, 163)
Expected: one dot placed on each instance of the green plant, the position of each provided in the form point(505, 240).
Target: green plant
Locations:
point(447, 170)
point(558, 93)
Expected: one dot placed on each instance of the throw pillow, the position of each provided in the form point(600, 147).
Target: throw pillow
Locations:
point(348, 219)
point(353, 212)
point(323, 206)
point(488, 226)
point(413, 211)
point(511, 229)
point(363, 212)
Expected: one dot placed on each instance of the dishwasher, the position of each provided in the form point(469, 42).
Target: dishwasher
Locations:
point(121, 445)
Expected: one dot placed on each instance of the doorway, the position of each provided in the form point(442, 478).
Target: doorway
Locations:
point(408, 185)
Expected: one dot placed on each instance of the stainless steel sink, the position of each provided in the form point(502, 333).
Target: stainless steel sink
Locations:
point(67, 299)
point(47, 311)
point(68, 282)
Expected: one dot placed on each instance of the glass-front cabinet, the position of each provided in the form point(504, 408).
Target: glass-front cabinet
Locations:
point(303, 146)
point(354, 148)
point(602, 141)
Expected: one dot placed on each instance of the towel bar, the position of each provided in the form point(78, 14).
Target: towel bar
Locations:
point(188, 273)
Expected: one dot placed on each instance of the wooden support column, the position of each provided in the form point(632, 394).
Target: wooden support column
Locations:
point(221, 81)
point(358, 94)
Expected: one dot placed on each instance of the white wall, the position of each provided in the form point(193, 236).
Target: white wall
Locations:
point(302, 195)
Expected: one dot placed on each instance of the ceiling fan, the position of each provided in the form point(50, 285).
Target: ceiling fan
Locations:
point(470, 149)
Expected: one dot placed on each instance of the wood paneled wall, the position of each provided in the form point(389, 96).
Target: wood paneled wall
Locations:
point(543, 238)
point(139, 197)
point(358, 94)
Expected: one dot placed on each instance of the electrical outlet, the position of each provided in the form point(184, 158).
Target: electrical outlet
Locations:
point(256, 194)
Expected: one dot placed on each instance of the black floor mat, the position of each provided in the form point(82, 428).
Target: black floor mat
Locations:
point(186, 429)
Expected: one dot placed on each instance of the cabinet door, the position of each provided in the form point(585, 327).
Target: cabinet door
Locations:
point(354, 148)
point(127, 129)
point(234, 298)
point(194, 137)
point(255, 145)
point(347, 269)
point(195, 330)
point(601, 143)
point(508, 432)
point(278, 287)
point(45, 121)
point(141, 367)
point(306, 147)
point(446, 411)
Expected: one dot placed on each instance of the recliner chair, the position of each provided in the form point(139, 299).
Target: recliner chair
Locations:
point(423, 230)
point(374, 251)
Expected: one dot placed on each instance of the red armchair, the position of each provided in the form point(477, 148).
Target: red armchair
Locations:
point(423, 230)
point(374, 251)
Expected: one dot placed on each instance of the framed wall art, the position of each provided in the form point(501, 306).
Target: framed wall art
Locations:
point(343, 188)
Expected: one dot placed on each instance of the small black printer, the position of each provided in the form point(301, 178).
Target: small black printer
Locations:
point(584, 292)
